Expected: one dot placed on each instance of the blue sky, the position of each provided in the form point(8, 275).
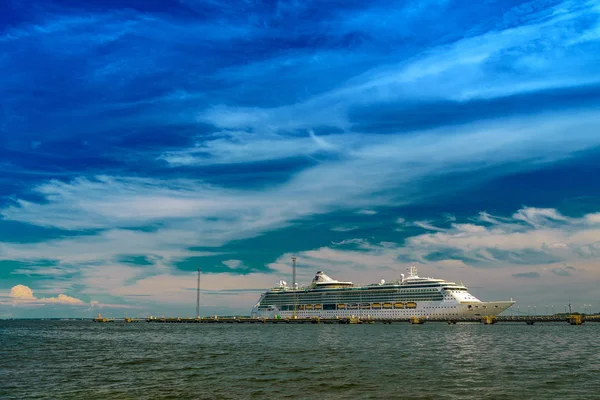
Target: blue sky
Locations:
point(140, 140)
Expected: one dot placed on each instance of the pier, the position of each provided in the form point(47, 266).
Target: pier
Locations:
point(575, 319)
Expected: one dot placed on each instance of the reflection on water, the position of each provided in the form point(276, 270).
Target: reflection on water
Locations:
point(80, 359)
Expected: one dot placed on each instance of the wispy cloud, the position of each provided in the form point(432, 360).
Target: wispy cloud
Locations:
point(212, 211)
point(427, 225)
point(507, 62)
point(527, 275)
point(344, 228)
point(233, 147)
point(366, 212)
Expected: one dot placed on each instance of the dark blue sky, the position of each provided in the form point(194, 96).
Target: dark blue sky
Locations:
point(140, 140)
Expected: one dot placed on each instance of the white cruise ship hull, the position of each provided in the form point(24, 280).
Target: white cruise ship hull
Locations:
point(433, 310)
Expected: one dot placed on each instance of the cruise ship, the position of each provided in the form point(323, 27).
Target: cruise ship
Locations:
point(399, 299)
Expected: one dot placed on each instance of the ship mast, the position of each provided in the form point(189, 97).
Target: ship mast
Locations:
point(198, 296)
point(293, 272)
point(294, 285)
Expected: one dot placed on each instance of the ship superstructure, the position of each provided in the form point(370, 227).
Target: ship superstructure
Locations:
point(403, 298)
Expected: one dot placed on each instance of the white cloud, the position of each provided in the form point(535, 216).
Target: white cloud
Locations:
point(592, 219)
point(23, 295)
point(344, 228)
point(356, 241)
point(163, 247)
point(232, 147)
point(233, 264)
point(366, 212)
point(538, 216)
point(21, 292)
point(426, 225)
point(63, 299)
point(531, 233)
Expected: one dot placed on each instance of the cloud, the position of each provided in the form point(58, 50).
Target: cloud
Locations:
point(235, 147)
point(464, 251)
point(21, 294)
point(233, 264)
point(77, 253)
point(530, 236)
point(63, 299)
point(561, 271)
point(344, 228)
point(538, 216)
point(218, 291)
point(498, 63)
point(527, 275)
point(426, 225)
point(366, 212)
point(358, 242)
point(363, 178)
point(490, 243)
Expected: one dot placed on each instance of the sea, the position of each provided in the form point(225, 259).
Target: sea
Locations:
point(86, 360)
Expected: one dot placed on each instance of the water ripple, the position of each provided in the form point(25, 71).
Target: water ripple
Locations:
point(80, 359)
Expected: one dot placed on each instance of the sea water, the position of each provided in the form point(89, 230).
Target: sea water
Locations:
point(87, 360)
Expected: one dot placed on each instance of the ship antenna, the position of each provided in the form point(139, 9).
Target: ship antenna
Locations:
point(198, 296)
